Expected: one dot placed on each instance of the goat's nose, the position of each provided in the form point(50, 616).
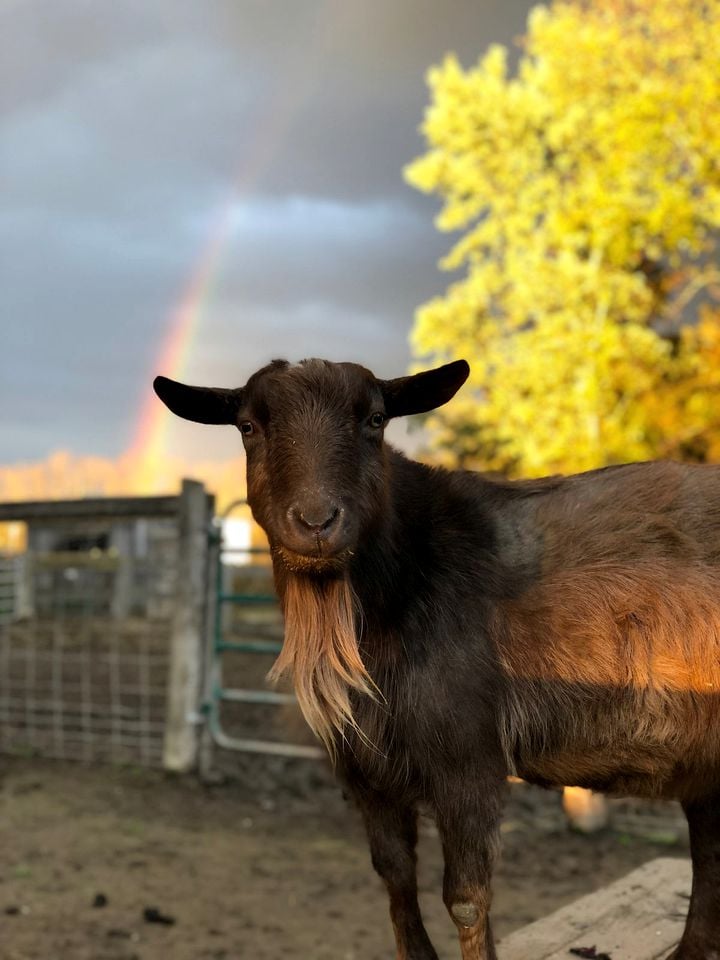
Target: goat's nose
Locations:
point(315, 518)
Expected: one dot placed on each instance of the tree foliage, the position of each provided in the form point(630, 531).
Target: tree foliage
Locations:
point(586, 185)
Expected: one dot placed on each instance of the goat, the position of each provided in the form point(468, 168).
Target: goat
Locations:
point(446, 629)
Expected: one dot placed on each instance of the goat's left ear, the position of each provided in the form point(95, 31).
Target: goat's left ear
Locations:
point(200, 404)
point(423, 391)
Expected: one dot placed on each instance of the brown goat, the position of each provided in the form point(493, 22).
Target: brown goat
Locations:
point(445, 629)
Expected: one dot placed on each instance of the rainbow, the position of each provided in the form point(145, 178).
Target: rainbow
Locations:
point(294, 87)
point(150, 439)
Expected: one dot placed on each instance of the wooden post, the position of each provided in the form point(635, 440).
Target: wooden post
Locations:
point(186, 646)
point(210, 659)
point(25, 587)
point(122, 541)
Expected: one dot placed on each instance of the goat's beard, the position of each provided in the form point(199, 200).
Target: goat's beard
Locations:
point(321, 653)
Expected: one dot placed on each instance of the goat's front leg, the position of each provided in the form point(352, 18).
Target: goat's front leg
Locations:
point(392, 832)
point(701, 938)
point(468, 822)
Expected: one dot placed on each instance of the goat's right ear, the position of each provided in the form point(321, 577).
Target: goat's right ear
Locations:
point(424, 391)
point(200, 404)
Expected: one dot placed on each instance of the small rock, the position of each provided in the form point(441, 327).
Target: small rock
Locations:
point(100, 900)
point(153, 915)
point(589, 953)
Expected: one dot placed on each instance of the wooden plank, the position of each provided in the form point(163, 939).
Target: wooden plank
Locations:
point(640, 917)
point(100, 560)
point(210, 663)
point(89, 507)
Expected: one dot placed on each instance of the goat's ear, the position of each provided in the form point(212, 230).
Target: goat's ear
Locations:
point(424, 391)
point(201, 404)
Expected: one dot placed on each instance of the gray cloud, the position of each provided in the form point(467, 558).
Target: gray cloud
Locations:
point(128, 128)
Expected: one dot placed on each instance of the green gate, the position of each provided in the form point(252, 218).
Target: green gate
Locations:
point(216, 693)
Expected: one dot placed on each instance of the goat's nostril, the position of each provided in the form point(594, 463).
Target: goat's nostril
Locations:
point(318, 520)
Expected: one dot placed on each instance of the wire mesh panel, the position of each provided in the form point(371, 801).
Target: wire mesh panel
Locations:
point(73, 583)
point(76, 680)
point(9, 574)
point(90, 689)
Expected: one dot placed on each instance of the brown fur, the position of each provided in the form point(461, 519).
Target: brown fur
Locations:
point(321, 652)
point(646, 635)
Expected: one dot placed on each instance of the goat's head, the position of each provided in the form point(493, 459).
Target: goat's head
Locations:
point(317, 483)
point(313, 434)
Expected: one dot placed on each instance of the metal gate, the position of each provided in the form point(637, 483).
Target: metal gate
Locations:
point(218, 645)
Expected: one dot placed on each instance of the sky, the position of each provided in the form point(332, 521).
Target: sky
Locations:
point(137, 136)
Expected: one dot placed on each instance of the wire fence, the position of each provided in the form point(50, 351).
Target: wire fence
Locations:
point(77, 683)
point(89, 689)
point(102, 627)
point(9, 575)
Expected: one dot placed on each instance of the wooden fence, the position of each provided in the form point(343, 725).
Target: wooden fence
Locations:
point(102, 628)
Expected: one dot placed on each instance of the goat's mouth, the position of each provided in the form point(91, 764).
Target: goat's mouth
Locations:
point(315, 562)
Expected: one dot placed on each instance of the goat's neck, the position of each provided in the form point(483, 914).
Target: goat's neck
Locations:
point(390, 565)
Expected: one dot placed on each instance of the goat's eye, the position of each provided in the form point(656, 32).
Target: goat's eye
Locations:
point(376, 420)
point(246, 428)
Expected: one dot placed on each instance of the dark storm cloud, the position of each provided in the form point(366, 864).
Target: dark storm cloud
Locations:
point(127, 126)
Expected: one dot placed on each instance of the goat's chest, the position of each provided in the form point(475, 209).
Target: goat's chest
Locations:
point(420, 732)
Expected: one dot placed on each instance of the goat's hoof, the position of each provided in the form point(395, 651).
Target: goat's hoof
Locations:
point(466, 914)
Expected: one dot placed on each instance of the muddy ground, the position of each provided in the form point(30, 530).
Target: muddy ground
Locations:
point(269, 865)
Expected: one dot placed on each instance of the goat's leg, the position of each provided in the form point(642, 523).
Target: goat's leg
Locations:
point(468, 828)
point(701, 938)
point(392, 832)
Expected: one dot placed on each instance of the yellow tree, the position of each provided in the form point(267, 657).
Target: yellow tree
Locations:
point(586, 185)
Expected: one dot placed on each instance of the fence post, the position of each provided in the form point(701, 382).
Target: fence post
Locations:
point(210, 661)
point(186, 645)
point(120, 601)
point(24, 591)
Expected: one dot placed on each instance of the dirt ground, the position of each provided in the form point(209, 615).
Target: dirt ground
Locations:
point(268, 866)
